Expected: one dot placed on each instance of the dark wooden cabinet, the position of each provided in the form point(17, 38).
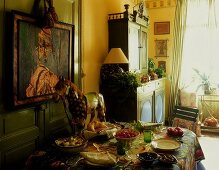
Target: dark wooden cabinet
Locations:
point(132, 38)
point(146, 102)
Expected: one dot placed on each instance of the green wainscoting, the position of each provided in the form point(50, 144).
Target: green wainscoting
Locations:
point(26, 130)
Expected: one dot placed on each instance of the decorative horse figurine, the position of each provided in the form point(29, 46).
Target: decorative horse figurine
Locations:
point(76, 103)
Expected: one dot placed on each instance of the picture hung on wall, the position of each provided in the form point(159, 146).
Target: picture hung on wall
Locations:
point(162, 64)
point(40, 56)
point(161, 48)
point(161, 28)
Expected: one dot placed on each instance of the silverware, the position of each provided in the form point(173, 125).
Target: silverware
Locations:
point(72, 162)
point(127, 164)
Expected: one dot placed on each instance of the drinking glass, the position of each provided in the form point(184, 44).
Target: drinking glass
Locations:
point(147, 136)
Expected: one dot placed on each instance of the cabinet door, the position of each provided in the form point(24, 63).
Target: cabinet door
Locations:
point(133, 47)
point(145, 107)
point(143, 49)
point(159, 115)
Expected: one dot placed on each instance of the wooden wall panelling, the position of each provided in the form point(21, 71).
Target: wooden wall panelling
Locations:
point(19, 138)
point(57, 121)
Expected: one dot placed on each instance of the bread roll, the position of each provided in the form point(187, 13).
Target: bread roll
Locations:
point(96, 126)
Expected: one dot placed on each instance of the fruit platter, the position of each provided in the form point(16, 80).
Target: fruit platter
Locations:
point(175, 132)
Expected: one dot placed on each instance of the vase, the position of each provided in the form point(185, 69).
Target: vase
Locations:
point(207, 89)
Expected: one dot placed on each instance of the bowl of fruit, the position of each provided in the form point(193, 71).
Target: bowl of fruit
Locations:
point(175, 131)
point(126, 134)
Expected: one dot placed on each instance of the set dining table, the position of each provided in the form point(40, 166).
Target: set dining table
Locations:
point(188, 154)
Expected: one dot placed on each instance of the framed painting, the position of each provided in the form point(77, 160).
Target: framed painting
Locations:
point(161, 28)
point(162, 64)
point(161, 48)
point(40, 56)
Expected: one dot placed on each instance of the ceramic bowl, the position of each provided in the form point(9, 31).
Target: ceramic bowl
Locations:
point(126, 136)
point(147, 158)
point(64, 144)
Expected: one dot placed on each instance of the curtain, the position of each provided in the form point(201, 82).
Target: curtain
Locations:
point(200, 45)
point(178, 34)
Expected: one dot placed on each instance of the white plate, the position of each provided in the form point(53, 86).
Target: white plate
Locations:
point(166, 144)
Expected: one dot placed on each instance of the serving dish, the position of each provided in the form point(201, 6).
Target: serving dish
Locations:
point(99, 159)
point(147, 158)
point(166, 144)
point(71, 144)
point(167, 158)
point(108, 131)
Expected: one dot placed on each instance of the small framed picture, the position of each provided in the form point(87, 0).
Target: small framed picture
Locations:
point(162, 64)
point(161, 28)
point(161, 48)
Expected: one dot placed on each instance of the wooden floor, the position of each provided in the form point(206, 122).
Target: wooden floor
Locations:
point(210, 146)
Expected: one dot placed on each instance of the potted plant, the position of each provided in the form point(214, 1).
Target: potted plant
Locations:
point(204, 81)
point(160, 72)
point(123, 85)
point(151, 65)
point(124, 80)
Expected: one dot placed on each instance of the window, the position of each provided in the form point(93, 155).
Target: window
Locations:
point(201, 43)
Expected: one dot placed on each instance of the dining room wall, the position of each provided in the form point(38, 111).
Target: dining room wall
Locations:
point(162, 11)
point(95, 37)
point(21, 130)
point(25, 129)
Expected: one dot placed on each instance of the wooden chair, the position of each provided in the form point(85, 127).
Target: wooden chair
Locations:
point(186, 117)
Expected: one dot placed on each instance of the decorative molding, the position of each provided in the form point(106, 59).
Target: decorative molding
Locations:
point(153, 4)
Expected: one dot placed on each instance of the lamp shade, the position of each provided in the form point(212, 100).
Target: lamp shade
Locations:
point(115, 56)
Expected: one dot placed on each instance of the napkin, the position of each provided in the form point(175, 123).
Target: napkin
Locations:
point(99, 158)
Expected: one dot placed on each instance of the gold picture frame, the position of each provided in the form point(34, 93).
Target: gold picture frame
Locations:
point(161, 48)
point(48, 52)
point(161, 28)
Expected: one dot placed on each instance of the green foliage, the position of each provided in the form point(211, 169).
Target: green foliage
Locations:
point(124, 80)
point(151, 65)
point(160, 72)
point(204, 79)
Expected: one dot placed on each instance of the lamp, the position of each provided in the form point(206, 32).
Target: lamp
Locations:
point(116, 56)
point(111, 63)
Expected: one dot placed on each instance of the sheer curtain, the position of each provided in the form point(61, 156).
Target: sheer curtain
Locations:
point(201, 43)
point(178, 34)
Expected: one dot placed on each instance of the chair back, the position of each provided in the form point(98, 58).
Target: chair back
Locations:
point(186, 113)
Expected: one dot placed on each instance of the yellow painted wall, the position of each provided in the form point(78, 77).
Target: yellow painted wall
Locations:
point(95, 37)
point(159, 13)
point(95, 32)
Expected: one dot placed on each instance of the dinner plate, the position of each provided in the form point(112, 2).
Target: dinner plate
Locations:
point(166, 144)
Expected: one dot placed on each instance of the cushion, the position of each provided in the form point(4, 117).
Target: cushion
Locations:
point(187, 99)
